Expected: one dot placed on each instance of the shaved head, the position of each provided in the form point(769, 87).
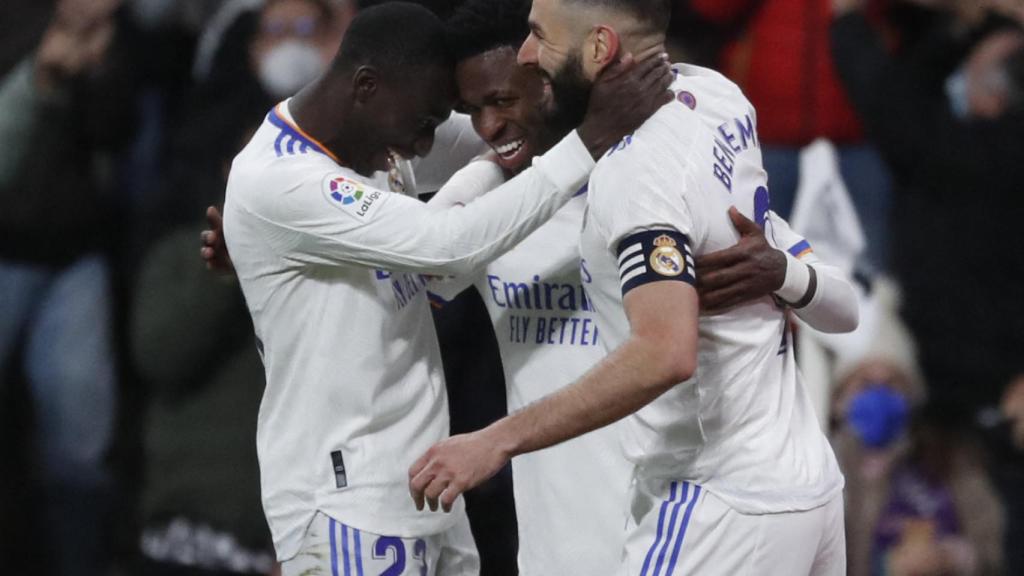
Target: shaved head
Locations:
point(653, 14)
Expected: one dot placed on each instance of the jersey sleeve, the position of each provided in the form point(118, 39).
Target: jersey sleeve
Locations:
point(335, 219)
point(476, 179)
point(784, 238)
point(456, 144)
point(642, 213)
point(832, 306)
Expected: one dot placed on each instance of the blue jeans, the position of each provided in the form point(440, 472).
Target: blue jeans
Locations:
point(866, 177)
point(59, 319)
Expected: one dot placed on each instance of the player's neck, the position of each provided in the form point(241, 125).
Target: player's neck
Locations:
point(317, 111)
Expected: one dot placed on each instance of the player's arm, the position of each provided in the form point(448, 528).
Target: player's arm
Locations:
point(335, 220)
point(471, 182)
point(820, 294)
point(778, 262)
point(392, 231)
point(660, 352)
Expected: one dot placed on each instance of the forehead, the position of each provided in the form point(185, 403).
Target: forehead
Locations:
point(547, 14)
point(487, 72)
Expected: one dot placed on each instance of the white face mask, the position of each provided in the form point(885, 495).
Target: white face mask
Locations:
point(956, 93)
point(289, 66)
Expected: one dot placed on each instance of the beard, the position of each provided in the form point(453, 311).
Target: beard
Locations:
point(570, 91)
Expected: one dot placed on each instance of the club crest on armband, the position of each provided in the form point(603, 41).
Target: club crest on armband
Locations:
point(666, 258)
point(345, 191)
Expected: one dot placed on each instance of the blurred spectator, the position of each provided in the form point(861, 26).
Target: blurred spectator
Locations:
point(192, 344)
point(919, 502)
point(262, 57)
point(956, 155)
point(60, 123)
point(777, 52)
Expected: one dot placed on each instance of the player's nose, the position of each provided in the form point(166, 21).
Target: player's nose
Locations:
point(528, 51)
point(490, 124)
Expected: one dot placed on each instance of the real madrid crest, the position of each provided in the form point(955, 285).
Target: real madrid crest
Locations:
point(666, 258)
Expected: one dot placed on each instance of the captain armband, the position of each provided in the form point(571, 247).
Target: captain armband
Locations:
point(654, 256)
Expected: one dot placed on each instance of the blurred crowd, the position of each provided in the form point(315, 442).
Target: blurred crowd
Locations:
point(893, 135)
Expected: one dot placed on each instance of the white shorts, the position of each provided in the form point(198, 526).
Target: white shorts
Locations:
point(332, 548)
point(678, 528)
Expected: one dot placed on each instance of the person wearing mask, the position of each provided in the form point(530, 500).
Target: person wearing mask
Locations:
point(955, 150)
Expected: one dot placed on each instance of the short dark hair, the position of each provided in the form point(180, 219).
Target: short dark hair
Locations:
point(440, 7)
point(655, 13)
point(394, 37)
point(480, 26)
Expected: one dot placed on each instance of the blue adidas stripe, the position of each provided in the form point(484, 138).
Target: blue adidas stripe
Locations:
point(334, 548)
point(344, 549)
point(671, 528)
point(682, 531)
point(661, 522)
point(359, 552)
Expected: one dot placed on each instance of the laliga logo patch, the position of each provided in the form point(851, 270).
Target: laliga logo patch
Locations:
point(345, 191)
point(688, 99)
point(351, 197)
point(666, 259)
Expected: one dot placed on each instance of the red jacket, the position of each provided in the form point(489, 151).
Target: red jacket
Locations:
point(783, 63)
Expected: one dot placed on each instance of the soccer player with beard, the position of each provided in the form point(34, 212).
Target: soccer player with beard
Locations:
point(330, 260)
point(731, 460)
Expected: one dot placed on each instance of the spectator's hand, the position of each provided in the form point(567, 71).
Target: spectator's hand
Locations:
point(624, 96)
point(215, 251)
point(75, 41)
point(453, 466)
point(1013, 408)
point(747, 271)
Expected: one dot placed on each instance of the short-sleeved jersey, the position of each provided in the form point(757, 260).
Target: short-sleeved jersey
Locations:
point(330, 263)
point(743, 426)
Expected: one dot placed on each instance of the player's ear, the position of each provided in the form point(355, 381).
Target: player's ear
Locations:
point(364, 83)
point(601, 49)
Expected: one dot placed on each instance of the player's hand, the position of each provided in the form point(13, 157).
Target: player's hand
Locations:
point(214, 251)
point(453, 466)
point(747, 271)
point(624, 96)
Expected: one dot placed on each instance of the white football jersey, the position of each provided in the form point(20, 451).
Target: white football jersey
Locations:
point(330, 263)
point(743, 426)
point(570, 498)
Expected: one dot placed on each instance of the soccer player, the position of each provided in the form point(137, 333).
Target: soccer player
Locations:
point(574, 494)
point(330, 262)
point(732, 474)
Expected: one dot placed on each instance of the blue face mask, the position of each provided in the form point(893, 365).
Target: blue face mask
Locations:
point(956, 93)
point(878, 415)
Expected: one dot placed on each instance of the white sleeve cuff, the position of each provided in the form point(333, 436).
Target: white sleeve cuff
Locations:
point(798, 277)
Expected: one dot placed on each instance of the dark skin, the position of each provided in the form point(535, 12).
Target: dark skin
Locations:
point(505, 102)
